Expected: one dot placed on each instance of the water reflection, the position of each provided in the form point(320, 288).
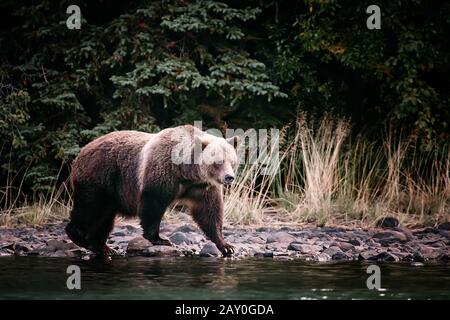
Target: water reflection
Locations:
point(211, 278)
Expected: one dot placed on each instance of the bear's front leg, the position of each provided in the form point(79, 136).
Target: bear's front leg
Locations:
point(207, 211)
point(151, 211)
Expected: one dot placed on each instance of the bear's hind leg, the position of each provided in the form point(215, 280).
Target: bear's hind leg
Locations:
point(151, 212)
point(92, 219)
point(99, 232)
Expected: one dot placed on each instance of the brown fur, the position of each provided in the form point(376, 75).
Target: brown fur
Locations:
point(131, 173)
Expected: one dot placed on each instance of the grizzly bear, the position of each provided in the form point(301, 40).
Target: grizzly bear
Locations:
point(133, 173)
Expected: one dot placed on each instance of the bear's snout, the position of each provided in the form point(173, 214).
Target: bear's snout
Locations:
point(228, 179)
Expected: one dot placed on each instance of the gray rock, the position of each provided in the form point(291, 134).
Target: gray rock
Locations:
point(119, 232)
point(444, 257)
point(387, 237)
point(305, 248)
point(367, 255)
point(187, 228)
point(444, 226)
point(121, 239)
point(180, 238)
point(429, 253)
point(354, 242)
point(258, 240)
point(282, 237)
point(277, 246)
point(387, 222)
point(332, 251)
point(55, 245)
point(345, 246)
point(138, 245)
point(210, 250)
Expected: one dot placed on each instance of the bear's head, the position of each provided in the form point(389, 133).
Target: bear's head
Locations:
point(217, 158)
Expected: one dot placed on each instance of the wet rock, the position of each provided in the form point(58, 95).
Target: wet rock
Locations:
point(304, 248)
point(280, 253)
point(4, 253)
point(22, 247)
point(322, 257)
point(444, 257)
point(282, 237)
point(161, 251)
point(387, 222)
point(264, 254)
point(138, 245)
point(339, 256)
point(387, 237)
point(385, 256)
point(282, 258)
point(417, 257)
point(55, 245)
point(210, 250)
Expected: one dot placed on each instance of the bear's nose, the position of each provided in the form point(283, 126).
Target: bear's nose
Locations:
point(228, 179)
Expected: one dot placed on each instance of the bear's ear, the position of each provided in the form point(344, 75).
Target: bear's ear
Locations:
point(200, 142)
point(233, 141)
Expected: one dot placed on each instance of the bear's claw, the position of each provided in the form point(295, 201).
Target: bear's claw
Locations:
point(228, 249)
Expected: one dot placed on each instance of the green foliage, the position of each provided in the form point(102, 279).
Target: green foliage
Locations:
point(329, 60)
point(137, 68)
point(146, 65)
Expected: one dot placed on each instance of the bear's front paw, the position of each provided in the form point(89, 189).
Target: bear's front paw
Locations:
point(227, 249)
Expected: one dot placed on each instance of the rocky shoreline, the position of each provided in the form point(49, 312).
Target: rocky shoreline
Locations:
point(385, 243)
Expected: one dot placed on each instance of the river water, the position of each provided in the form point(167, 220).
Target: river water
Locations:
point(211, 278)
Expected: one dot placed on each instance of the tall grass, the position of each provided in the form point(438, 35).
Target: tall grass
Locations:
point(43, 207)
point(326, 177)
point(248, 201)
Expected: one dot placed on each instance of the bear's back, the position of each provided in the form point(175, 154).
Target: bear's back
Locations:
point(109, 154)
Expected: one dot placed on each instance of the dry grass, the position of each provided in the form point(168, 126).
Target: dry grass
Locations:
point(327, 178)
point(17, 210)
